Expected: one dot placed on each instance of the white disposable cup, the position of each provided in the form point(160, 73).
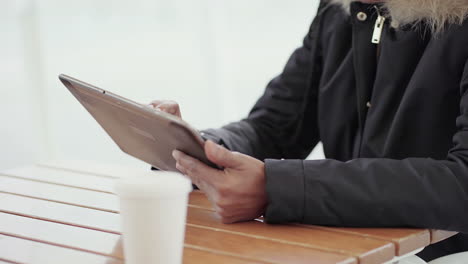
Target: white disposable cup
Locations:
point(153, 210)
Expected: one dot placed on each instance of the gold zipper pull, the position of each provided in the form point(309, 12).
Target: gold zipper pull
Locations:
point(378, 28)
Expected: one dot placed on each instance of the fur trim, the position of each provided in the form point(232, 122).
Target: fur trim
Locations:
point(436, 14)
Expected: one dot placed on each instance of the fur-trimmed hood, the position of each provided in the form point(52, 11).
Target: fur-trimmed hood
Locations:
point(435, 13)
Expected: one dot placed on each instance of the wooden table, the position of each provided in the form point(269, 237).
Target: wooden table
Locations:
point(66, 212)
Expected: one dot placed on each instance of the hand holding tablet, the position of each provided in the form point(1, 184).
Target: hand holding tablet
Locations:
point(141, 131)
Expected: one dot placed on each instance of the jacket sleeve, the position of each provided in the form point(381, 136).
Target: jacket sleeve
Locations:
point(285, 116)
point(416, 192)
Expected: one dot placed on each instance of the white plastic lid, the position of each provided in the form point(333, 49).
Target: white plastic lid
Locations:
point(153, 184)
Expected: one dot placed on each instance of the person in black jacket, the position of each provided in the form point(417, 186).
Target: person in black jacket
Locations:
point(384, 86)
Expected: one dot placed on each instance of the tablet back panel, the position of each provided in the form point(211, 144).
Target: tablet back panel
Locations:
point(138, 130)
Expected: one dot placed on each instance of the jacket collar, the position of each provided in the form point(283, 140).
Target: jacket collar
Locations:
point(436, 14)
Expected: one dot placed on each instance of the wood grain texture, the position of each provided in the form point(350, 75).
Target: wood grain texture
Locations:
point(59, 196)
point(94, 169)
point(225, 244)
point(406, 240)
point(78, 216)
point(199, 200)
point(348, 244)
point(261, 249)
point(195, 255)
point(109, 221)
point(379, 249)
point(19, 250)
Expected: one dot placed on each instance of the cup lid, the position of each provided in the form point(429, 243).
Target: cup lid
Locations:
point(153, 184)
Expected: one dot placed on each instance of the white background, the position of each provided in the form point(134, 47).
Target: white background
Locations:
point(213, 57)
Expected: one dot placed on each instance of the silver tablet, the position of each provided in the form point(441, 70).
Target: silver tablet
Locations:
point(138, 130)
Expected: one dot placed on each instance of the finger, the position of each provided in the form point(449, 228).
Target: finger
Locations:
point(196, 170)
point(160, 102)
point(221, 156)
point(171, 108)
point(201, 185)
point(181, 169)
point(156, 102)
point(210, 188)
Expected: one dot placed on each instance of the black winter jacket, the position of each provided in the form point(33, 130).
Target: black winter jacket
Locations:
point(393, 119)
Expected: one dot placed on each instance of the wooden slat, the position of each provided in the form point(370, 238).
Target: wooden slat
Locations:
point(197, 255)
point(265, 250)
point(59, 234)
point(403, 244)
point(405, 240)
point(67, 178)
point(193, 255)
point(73, 179)
point(108, 221)
point(402, 240)
point(90, 241)
point(26, 251)
point(199, 200)
point(61, 213)
point(217, 242)
point(69, 195)
point(94, 168)
point(367, 245)
point(439, 235)
point(294, 235)
point(379, 249)
point(19, 250)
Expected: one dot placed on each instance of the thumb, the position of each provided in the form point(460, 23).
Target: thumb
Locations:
point(221, 156)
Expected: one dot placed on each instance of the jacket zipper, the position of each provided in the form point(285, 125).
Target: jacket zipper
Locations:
point(378, 28)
